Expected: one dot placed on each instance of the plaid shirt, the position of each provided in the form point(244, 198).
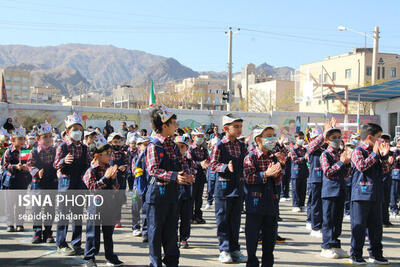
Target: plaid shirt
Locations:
point(118, 155)
point(233, 149)
point(330, 171)
point(191, 164)
point(251, 175)
point(94, 178)
point(7, 159)
point(45, 155)
point(200, 152)
point(315, 144)
point(153, 160)
point(75, 149)
point(362, 164)
point(297, 154)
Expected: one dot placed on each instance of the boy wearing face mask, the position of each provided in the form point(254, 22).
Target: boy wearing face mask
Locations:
point(71, 162)
point(262, 172)
point(370, 161)
point(31, 142)
point(299, 172)
point(352, 143)
point(185, 195)
point(336, 168)
point(119, 158)
point(227, 161)
point(395, 188)
point(44, 177)
point(199, 154)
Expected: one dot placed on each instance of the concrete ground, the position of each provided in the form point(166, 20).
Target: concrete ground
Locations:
point(299, 250)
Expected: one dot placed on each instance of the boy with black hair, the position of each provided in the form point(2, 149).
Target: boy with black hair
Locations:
point(336, 168)
point(166, 169)
point(387, 183)
point(370, 162)
point(299, 172)
point(262, 171)
point(71, 162)
point(119, 158)
point(132, 152)
point(101, 180)
point(44, 177)
point(227, 159)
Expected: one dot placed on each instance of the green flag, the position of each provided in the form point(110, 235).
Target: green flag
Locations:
point(153, 97)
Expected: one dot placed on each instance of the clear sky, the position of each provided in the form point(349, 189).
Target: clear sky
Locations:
point(280, 32)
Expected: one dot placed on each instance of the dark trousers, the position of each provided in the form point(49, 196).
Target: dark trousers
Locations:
point(197, 196)
point(332, 210)
point(347, 200)
point(316, 206)
point(184, 214)
point(62, 227)
point(309, 194)
point(210, 189)
point(47, 222)
point(162, 230)
point(386, 201)
point(92, 246)
point(366, 215)
point(394, 196)
point(228, 213)
point(144, 218)
point(299, 187)
point(285, 186)
point(268, 226)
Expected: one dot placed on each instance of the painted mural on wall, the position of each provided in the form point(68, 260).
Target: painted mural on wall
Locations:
point(30, 117)
point(98, 119)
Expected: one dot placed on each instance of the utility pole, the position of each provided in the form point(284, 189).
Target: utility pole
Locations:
point(375, 54)
point(229, 82)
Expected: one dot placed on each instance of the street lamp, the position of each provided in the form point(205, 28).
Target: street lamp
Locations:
point(374, 37)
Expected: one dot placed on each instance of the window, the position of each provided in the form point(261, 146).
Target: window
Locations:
point(209, 91)
point(379, 73)
point(393, 72)
point(368, 71)
point(24, 88)
point(24, 97)
point(24, 80)
point(325, 78)
point(216, 92)
point(16, 79)
point(16, 96)
point(16, 87)
point(8, 87)
point(216, 100)
point(383, 72)
point(334, 76)
point(8, 79)
point(347, 73)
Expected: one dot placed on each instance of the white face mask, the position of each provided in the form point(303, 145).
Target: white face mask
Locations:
point(31, 142)
point(76, 135)
point(199, 140)
point(300, 142)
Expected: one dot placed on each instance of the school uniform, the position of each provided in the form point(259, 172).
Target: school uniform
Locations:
point(387, 184)
point(314, 150)
point(366, 200)
point(132, 156)
point(261, 207)
point(285, 187)
point(14, 179)
point(229, 191)
point(119, 158)
point(198, 154)
point(163, 161)
point(139, 193)
point(299, 173)
point(43, 158)
point(333, 192)
point(185, 200)
point(395, 187)
point(210, 186)
point(70, 178)
point(96, 182)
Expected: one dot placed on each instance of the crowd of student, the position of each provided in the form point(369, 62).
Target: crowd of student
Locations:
point(167, 171)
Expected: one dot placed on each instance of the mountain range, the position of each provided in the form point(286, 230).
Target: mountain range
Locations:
point(75, 67)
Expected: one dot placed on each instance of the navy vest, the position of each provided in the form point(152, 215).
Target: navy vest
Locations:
point(18, 179)
point(259, 198)
point(121, 176)
point(71, 175)
point(157, 193)
point(229, 184)
point(49, 179)
point(396, 170)
point(200, 174)
point(315, 167)
point(185, 190)
point(299, 171)
point(367, 185)
point(333, 188)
